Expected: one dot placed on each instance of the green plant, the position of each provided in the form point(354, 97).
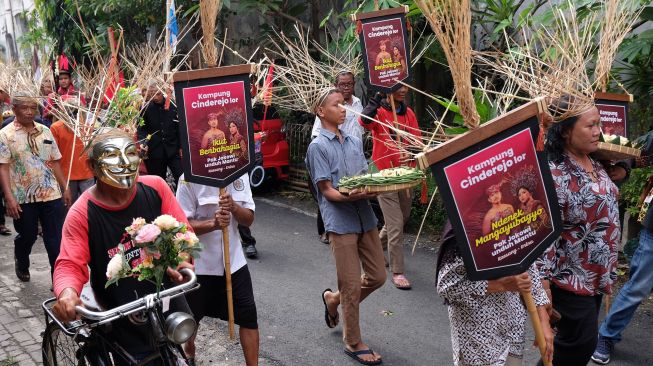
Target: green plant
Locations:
point(632, 189)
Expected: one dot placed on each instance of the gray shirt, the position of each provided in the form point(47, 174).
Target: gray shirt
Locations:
point(329, 159)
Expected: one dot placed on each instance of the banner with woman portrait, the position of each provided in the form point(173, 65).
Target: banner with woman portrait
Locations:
point(216, 124)
point(500, 197)
point(385, 48)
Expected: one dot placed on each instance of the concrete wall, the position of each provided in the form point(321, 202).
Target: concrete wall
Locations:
point(12, 27)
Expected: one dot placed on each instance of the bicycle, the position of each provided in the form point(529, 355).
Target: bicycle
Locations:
point(84, 342)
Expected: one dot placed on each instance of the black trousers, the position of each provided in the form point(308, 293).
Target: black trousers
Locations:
point(578, 329)
point(160, 167)
point(246, 237)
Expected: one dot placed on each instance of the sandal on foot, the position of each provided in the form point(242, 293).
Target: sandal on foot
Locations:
point(4, 231)
point(398, 285)
point(331, 320)
point(355, 355)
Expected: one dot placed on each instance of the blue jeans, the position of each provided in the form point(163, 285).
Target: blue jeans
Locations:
point(638, 288)
point(51, 214)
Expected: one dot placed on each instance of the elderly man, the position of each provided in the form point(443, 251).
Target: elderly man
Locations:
point(95, 226)
point(32, 182)
point(162, 125)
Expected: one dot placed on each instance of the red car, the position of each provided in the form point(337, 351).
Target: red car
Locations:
point(272, 153)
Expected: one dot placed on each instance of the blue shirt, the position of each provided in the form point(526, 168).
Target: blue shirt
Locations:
point(329, 159)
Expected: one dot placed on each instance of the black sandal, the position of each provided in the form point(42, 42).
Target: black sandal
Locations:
point(330, 320)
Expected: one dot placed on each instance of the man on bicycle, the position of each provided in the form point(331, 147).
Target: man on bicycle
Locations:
point(94, 227)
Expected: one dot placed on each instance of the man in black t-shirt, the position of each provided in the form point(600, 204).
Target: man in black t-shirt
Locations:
point(95, 226)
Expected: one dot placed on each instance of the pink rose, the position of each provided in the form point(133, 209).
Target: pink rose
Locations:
point(147, 234)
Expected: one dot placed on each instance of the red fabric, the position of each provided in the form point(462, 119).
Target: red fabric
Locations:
point(61, 91)
point(423, 197)
point(384, 150)
point(71, 268)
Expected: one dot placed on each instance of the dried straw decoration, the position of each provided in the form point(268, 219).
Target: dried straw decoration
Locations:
point(209, 10)
point(618, 18)
point(551, 63)
point(15, 78)
point(451, 23)
point(303, 81)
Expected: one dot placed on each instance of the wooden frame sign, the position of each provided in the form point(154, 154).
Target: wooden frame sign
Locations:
point(498, 193)
point(217, 135)
point(385, 48)
point(613, 110)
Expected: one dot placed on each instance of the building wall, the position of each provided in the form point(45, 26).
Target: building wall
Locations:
point(12, 27)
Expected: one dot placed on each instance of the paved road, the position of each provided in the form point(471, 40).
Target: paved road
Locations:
point(289, 276)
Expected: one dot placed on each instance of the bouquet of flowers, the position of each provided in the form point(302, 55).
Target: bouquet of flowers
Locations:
point(163, 243)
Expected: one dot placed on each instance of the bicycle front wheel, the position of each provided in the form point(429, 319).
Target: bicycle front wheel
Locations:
point(60, 349)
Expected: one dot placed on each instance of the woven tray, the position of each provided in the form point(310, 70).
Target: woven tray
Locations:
point(608, 151)
point(383, 189)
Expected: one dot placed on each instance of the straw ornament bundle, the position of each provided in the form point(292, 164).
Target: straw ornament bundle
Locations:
point(209, 10)
point(451, 23)
point(303, 81)
point(617, 20)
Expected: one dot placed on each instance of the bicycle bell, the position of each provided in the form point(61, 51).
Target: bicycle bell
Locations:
point(180, 327)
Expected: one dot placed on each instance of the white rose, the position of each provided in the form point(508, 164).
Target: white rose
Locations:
point(166, 222)
point(115, 266)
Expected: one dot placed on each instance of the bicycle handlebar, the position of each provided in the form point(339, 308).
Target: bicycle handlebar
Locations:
point(143, 303)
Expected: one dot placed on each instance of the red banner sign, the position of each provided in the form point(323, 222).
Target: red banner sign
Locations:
point(501, 200)
point(384, 43)
point(613, 119)
point(216, 117)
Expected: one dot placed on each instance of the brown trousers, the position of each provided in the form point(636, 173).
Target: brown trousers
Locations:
point(351, 252)
point(396, 211)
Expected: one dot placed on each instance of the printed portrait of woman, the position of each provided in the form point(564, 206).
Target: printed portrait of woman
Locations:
point(235, 124)
point(498, 211)
point(524, 187)
point(214, 133)
point(398, 57)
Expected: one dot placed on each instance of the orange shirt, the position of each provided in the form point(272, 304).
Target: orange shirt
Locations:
point(81, 169)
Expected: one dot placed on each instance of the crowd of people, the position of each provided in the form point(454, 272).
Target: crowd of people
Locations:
point(81, 202)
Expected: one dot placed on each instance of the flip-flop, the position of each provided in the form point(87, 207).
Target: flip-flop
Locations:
point(355, 354)
point(330, 320)
point(4, 231)
point(397, 285)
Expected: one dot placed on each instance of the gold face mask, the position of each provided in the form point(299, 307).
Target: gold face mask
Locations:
point(116, 162)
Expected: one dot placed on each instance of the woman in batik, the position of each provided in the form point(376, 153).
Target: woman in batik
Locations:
point(580, 266)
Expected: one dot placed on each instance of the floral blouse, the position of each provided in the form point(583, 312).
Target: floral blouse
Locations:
point(583, 260)
point(485, 327)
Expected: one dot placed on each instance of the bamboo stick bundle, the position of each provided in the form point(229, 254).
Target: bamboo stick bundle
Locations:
point(451, 23)
point(15, 78)
point(551, 63)
point(304, 81)
point(618, 18)
point(209, 10)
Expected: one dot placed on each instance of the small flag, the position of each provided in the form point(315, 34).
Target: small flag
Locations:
point(172, 27)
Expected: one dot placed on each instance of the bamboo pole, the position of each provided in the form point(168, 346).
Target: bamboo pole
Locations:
point(227, 275)
point(537, 326)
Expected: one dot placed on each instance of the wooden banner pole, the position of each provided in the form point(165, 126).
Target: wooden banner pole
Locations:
point(537, 326)
point(227, 273)
point(391, 98)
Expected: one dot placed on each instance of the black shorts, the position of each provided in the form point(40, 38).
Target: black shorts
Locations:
point(211, 298)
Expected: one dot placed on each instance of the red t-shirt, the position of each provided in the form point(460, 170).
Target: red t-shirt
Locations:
point(80, 169)
point(72, 265)
point(384, 150)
